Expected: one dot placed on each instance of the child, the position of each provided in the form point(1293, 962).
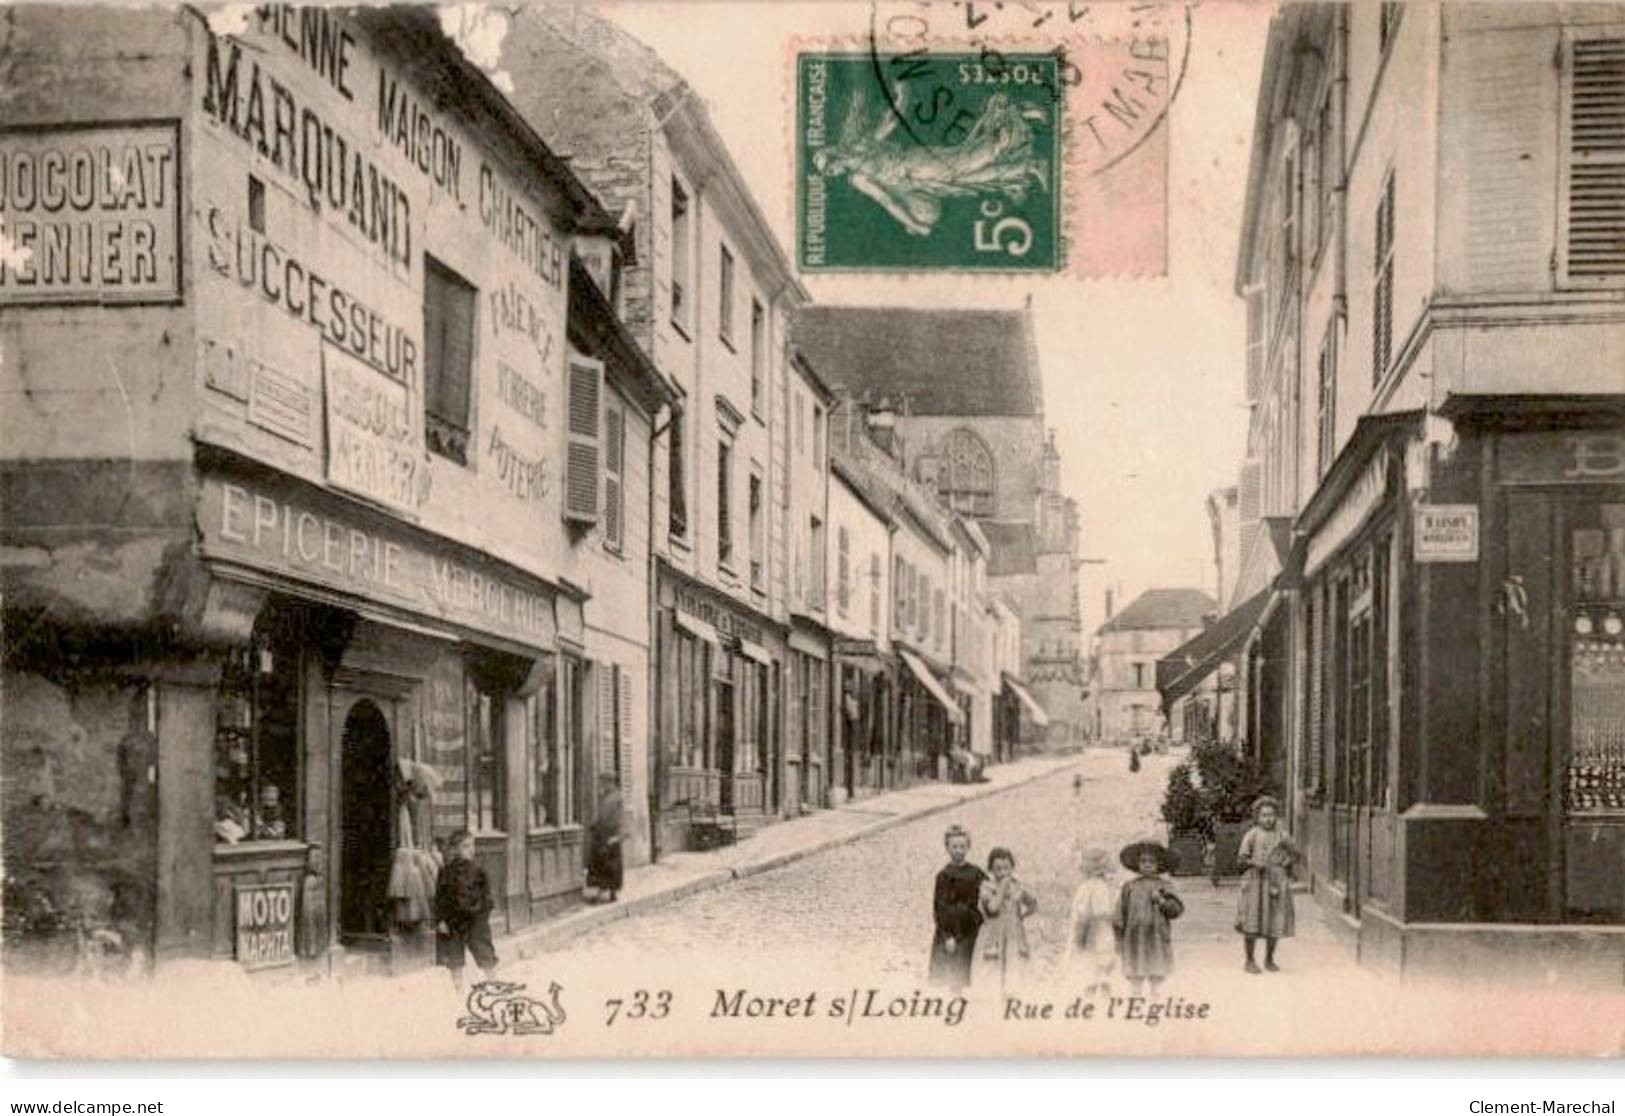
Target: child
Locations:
point(1269, 860)
point(462, 909)
point(956, 912)
point(1093, 942)
point(1002, 950)
point(1145, 907)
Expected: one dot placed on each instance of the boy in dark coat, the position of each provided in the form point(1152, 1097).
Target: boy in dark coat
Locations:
point(956, 913)
point(462, 909)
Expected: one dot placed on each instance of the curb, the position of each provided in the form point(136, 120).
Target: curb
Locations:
point(549, 936)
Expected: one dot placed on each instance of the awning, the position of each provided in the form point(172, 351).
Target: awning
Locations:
point(929, 681)
point(694, 626)
point(755, 651)
point(1034, 710)
point(1183, 669)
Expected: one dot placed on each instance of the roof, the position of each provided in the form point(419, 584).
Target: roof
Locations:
point(1182, 669)
point(941, 362)
point(1163, 608)
point(1014, 548)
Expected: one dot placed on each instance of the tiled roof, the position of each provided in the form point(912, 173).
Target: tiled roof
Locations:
point(1163, 608)
point(946, 362)
point(634, 68)
point(1182, 669)
point(1015, 548)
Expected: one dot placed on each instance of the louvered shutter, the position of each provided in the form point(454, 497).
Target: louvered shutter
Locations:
point(1591, 208)
point(623, 734)
point(614, 465)
point(1382, 298)
point(582, 430)
point(606, 718)
point(843, 574)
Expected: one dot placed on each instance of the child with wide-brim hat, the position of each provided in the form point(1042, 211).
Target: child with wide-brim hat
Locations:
point(1146, 906)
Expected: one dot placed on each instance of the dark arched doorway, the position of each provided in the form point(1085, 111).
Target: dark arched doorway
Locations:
point(366, 843)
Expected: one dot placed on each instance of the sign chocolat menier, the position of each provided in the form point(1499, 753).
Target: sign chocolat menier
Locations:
point(265, 914)
point(91, 214)
point(1446, 533)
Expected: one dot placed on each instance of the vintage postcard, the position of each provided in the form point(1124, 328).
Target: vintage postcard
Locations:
point(847, 529)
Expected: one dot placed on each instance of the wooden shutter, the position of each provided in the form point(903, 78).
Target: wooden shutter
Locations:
point(899, 592)
point(1591, 205)
point(582, 429)
point(605, 750)
point(843, 572)
point(623, 727)
point(1382, 298)
point(874, 592)
point(614, 468)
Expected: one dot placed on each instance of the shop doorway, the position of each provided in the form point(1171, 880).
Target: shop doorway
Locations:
point(366, 827)
point(725, 743)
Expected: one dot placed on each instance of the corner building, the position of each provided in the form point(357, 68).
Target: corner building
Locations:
point(324, 489)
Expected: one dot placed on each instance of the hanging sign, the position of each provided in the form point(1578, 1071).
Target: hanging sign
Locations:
point(1446, 533)
point(264, 925)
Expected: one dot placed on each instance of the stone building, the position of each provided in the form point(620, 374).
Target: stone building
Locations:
point(324, 514)
point(1434, 291)
point(958, 396)
point(708, 294)
point(1123, 694)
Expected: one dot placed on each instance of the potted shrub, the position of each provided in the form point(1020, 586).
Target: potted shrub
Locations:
point(1229, 784)
point(1185, 813)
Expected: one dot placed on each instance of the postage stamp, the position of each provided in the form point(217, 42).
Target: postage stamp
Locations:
point(949, 161)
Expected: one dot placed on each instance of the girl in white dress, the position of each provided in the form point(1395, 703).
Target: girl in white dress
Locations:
point(1094, 943)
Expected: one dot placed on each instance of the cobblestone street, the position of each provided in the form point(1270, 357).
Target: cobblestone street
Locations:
point(870, 900)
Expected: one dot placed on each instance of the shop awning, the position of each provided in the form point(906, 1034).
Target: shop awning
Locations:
point(755, 651)
point(1034, 710)
point(696, 627)
point(1183, 669)
point(923, 674)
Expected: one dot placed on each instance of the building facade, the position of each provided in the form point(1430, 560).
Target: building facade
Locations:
point(1128, 646)
point(1439, 285)
point(864, 670)
point(318, 547)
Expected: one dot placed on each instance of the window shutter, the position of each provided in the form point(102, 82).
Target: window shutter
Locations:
point(606, 720)
point(899, 591)
point(614, 465)
point(581, 451)
point(623, 739)
point(874, 592)
point(843, 582)
point(1382, 301)
point(1591, 206)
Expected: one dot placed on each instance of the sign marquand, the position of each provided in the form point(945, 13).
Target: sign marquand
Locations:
point(92, 214)
point(289, 537)
point(265, 915)
point(1446, 533)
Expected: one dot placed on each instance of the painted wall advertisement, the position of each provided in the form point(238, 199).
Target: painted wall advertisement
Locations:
point(371, 447)
point(90, 214)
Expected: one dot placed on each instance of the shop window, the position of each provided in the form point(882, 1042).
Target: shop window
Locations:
point(448, 359)
point(1595, 775)
point(574, 790)
point(1591, 198)
point(1353, 761)
point(256, 765)
point(691, 739)
point(551, 763)
point(1382, 285)
point(485, 762)
point(1384, 655)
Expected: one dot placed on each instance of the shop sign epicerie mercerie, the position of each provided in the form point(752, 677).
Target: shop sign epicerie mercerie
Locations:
point(1446, 533)
point(264, 925)
point(91, 214)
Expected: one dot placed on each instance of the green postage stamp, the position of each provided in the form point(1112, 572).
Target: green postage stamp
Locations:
point(935, 162)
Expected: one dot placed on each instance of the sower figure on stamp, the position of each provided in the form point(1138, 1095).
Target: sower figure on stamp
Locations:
point(1264, 908)
point(1145, 907)
point(955, 909)
point(911, 180)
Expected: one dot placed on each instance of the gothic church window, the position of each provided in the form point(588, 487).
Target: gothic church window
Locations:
point(965, 473)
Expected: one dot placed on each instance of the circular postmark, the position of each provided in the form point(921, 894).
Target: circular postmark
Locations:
point(1117, 67)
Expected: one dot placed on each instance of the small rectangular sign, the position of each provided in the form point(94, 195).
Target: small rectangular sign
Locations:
point(91, 214)
point(265, 914)
point(1447, 533)
point(280, 403)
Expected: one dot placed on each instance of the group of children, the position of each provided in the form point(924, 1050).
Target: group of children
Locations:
point(981, 938)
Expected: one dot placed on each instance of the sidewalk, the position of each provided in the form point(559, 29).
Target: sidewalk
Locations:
point(679, 874)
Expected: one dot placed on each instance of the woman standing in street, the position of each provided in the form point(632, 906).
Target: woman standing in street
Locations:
point(605, 870)
point(956, 911)
point(1269, 860)
point(1002, 950)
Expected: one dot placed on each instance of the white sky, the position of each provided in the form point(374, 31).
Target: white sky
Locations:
point(1142, 378)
